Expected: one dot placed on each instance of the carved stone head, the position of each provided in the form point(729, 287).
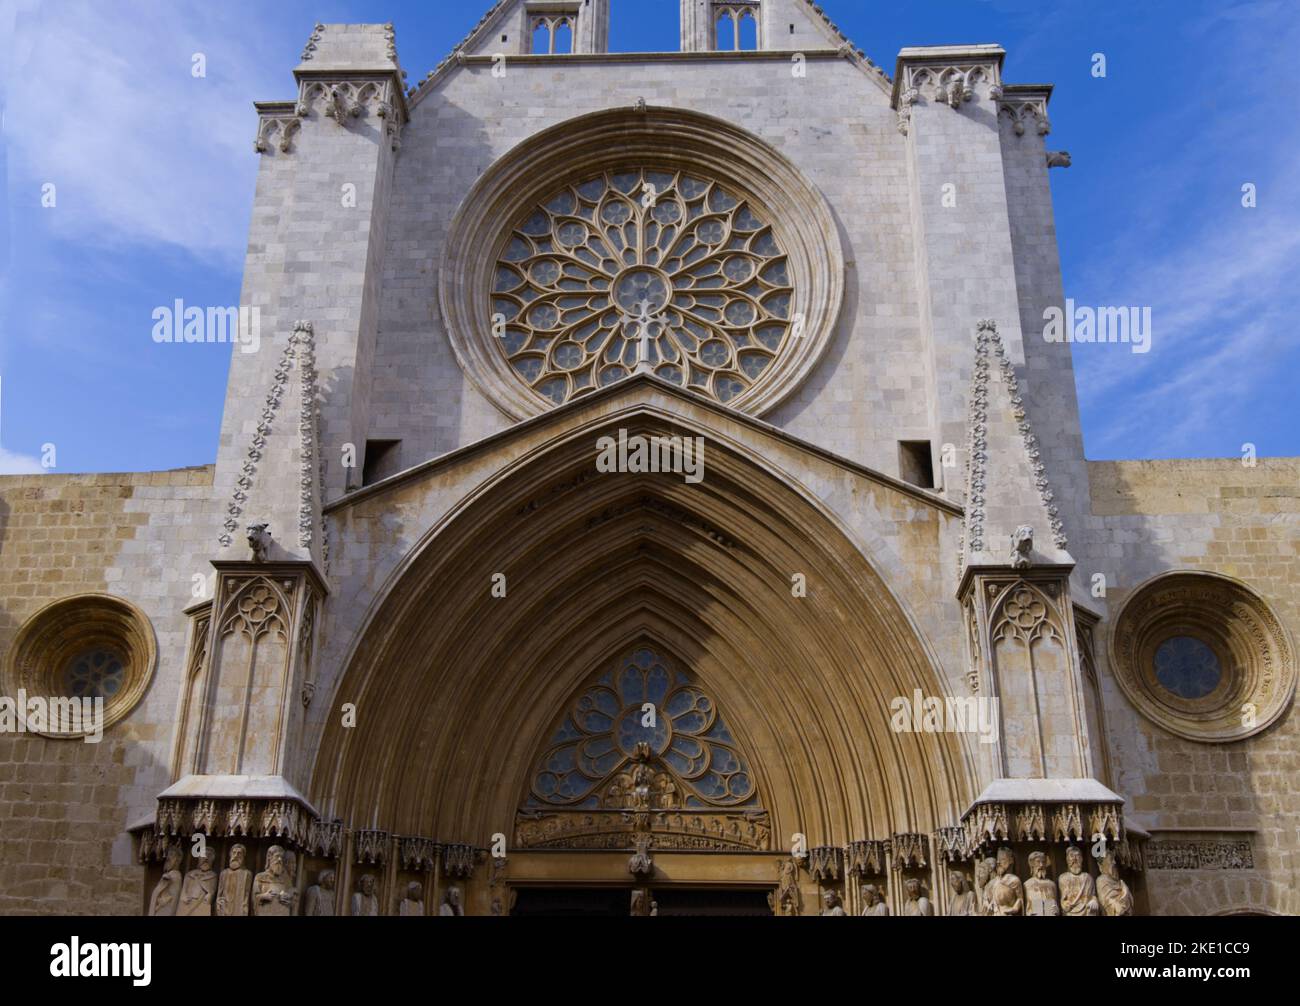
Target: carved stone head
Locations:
point(913, 887)
point(984, 869)
point(1074, 859)
point(259, 540)
point(1005, 861)
point(958, 881)
point(1038, 865)
point(275, 860)
point(870, 894)
point(414, 891)
point(172, 860)
point(237, 856)
point(367, 884)
point(327, 880)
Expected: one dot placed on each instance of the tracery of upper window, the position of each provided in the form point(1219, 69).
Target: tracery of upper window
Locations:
point(642, 737)
point(552, 34)
point(639, 270)
point(735, 27)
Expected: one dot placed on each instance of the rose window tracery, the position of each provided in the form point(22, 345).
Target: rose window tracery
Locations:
point(667, 272)
point(642, 738)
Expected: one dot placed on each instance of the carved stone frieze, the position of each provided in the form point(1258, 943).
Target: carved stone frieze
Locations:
point(825, 863)
point(1023, 113)
point(672, 830)
point(286, 820)
point(370, 845)
point(276, 128)
point(459, 860)
point(952, 844)
point(953, 84)
point(416, 853)
point(910, 850)
point(1200, 854)
point(865, 858)
point(325, 838)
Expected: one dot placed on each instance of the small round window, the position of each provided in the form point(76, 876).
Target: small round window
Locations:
point(1187, 667)
point(91, 647)
point(95, 674)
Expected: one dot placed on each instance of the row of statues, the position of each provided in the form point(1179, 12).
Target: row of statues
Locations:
point(273, 891)
point(998, 891)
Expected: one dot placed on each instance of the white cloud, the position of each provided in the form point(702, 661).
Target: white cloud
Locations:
point(102, 103)
point(12, 463)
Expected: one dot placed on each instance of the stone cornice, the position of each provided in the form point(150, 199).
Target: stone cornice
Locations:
point(650, 384)
point(1026, 103)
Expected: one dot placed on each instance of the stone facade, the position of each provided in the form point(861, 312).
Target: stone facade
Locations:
point(394, 559)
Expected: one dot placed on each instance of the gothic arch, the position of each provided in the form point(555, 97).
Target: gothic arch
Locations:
point(595, 563)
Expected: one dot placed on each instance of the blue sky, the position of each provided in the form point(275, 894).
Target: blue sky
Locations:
point(154, 169)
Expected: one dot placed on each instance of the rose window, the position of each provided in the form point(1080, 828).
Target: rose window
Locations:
point(639, 271)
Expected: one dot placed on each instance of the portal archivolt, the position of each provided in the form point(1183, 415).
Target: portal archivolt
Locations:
point(459, 691)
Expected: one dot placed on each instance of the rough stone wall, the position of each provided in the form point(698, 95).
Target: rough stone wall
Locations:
point(66, 804)
point(1221, 516)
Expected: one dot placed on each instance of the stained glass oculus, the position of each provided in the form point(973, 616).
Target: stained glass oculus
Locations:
point(608, 754)
point(1187, 667)
point(641, 270)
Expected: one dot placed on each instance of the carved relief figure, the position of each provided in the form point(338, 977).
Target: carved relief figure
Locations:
point(872, 901)
point(1078, 891)
point(787, 889)
point(984, 872)
point(320, 896)
point(1022, 544)
point(1040, 892)
point(413, 903)
point(641, 864)
point(963, 900)
point(917, 902)
point(1112, 892)
point(234, 885)
point(364, 899)
point(1006, 895)
point(831, 903)
point(167, 892)
point(199, 888)
point(451, 903)
point(271, 892)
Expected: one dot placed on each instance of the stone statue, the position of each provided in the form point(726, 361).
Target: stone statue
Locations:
point(984, 872)
point(917, 903)
point(259, 540)
point(832, 902)
point(234, 885)
point(1078, 891)
point(413, 903)
point(167, 892)
point(787, 889)
point(638, 908)
point(963, 900)
point(1006, 895)
point(199, 888)
point(320, 896)
point(364, 899)
point(272, 894)
point(1112, 892)
point(1022, 544)
point(451, 903)
point(873, 902)
point(1040, 891)
point(291, 877)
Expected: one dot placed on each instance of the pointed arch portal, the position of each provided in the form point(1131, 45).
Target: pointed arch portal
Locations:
point(774, 708)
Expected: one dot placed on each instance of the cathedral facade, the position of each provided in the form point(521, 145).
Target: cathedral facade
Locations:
point(653, 491)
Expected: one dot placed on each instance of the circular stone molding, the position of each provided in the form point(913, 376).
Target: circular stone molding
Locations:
point(758, 322)
point(1203, 619)
point(83, 646)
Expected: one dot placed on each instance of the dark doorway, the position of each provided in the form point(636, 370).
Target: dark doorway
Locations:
point(711, 901)
point(591, 902)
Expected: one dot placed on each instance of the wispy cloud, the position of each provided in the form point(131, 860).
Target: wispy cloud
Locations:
point(103, 104)
point(12, 463)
